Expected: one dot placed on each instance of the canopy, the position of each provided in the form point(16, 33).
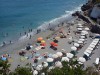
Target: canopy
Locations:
point(49, 59)
point(45, 64)
point(40, 39)
point(39, 67)
point(55, 56)
point(73, 48)
point(76, 45)
point(58, 64)
point(70, 55)
point(87, 28)
point(59, 54)
point(81, 59)
point(65, 59)
point(35, 72)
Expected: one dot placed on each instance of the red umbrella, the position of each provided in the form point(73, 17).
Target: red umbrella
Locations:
point(52, 43)
point(55, 44)
point(43, 44)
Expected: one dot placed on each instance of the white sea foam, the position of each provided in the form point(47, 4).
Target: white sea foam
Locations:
point(54, 22)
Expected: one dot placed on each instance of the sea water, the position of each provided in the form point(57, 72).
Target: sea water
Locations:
point(18, 16)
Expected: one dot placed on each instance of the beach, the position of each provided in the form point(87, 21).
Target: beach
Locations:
point(49, 35)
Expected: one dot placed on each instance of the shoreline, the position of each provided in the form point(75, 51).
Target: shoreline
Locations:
point(54, 22)
point(22, 43)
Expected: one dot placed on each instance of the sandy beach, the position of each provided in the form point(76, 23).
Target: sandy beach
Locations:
point(63, 45)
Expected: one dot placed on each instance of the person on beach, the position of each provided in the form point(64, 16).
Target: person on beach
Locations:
point(25, 33)
point(20, 34)
point(30, 37)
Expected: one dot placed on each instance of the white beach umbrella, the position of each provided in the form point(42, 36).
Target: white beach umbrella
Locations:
point(80, 42)
point(79, 29)
point(45, 64)
point(42, 73)
point(85, 32)
point(51, 67)
point(87, 28)
point(58, 64)
point(55, 56)
point(94, 43)
point(90, 48)
point(70, 55)
point(88, 51)
point(39, 67)
point(49, 59)
point(65, 59)
point(59, 54)
point(73, 48)
point(76, 45)
point(81, 59)
point(35, 72)
point(87, 54)
point(79, 24)
point(82, 37)
point(80, 62)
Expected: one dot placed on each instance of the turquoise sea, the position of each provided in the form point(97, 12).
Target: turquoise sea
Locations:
point(18, 16)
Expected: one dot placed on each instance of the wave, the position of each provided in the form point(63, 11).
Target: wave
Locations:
point(54, 22)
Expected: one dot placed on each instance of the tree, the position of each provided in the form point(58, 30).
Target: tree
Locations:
point(4, 67)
